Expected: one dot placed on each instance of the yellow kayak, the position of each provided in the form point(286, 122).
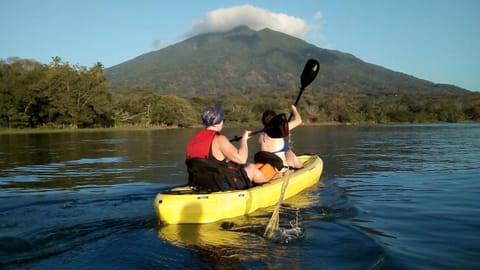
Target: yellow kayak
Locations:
point(184, 205)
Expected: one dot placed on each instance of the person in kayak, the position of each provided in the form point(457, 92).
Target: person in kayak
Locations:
point(278, 146)
point(213, 162)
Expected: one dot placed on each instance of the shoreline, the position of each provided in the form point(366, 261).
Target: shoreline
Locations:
point(7, 131)
point(152, 128)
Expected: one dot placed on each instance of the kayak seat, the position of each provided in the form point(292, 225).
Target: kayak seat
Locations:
point(212, 175)
point(265, 157)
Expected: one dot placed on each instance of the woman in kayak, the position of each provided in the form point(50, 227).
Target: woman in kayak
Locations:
point(278, 146)
point(211, 155)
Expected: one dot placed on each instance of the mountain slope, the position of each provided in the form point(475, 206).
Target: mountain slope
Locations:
point(243, 61)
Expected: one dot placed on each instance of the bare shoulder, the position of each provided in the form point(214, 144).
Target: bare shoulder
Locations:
point(221, 138)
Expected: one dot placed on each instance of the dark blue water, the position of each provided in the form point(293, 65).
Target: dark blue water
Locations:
point(390, 197)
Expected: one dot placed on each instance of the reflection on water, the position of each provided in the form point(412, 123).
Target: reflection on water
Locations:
point(239, 242)
point(391, 197)
point(38, 162)
point(238, 231)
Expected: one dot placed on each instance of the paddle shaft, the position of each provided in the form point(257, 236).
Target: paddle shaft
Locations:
point(277, 128)
point(237, 138)
point(296, 102)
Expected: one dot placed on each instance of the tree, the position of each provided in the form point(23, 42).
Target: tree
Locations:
point(93, 98)
point(173, 110)
point(79, 96)
point(22, 89)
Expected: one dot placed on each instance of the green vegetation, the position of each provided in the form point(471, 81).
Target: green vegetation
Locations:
point(58, 95)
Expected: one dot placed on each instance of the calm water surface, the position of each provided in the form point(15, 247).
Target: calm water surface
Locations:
point(390, 197)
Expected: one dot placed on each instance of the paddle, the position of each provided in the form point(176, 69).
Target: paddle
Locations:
point(276, 128)
point(309, 74)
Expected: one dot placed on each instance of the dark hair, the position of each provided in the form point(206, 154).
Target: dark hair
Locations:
point(267, 116)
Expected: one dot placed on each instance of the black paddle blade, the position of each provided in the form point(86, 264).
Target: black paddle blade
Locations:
point(309, 73)
point(277, 127)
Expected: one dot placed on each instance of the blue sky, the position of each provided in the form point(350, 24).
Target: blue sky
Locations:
point(435, 40)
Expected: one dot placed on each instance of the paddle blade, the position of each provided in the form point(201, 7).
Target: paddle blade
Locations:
point(277, 127)
point(309, 73)
point(273, 223)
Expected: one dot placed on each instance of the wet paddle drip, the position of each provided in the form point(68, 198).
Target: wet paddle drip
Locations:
point(290, 141)
point(288, 234)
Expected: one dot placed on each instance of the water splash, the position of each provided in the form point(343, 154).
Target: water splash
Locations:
point(291, 233)
point(288, 235)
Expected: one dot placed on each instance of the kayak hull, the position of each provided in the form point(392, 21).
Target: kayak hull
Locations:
point(181, 205)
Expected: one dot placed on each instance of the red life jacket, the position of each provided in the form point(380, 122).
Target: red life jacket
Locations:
point(200, 145)
point(209, 174)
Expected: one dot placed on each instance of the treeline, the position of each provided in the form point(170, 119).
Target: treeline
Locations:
point(59, 95)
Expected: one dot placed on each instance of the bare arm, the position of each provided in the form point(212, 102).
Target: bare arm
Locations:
point(228, 150)
point(296, 120)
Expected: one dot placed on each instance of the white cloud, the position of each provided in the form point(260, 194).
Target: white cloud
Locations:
point(159, 44)
point(256, 18)
point(315, 34)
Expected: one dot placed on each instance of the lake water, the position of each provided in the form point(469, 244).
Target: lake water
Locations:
point(390, 197)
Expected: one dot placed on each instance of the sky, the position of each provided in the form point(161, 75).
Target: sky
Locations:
point(435, 40)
